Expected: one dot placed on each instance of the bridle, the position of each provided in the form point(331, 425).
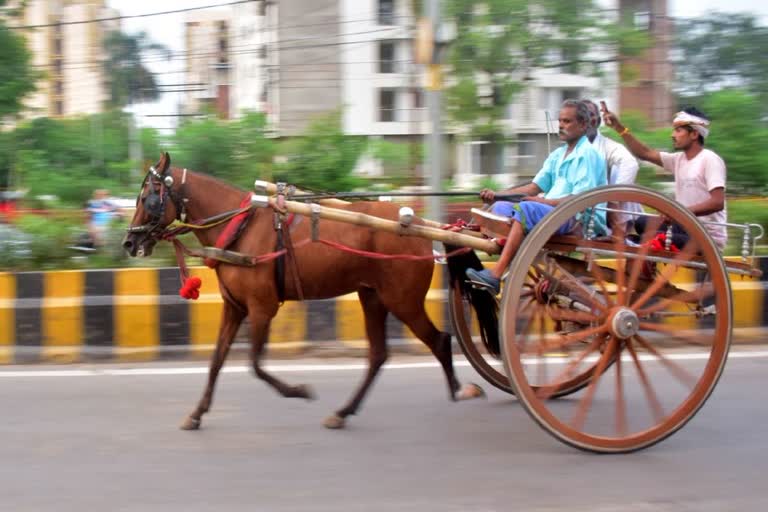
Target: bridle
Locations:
point(156, 201)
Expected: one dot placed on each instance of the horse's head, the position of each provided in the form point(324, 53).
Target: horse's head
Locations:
point(155, 209)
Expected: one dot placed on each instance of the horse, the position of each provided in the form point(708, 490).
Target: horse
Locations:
point(317, 271)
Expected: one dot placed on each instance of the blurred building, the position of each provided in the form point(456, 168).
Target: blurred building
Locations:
point(208, 41)
point(69, 55)
point(296, 61)
point(648, 85)
point(249, 53)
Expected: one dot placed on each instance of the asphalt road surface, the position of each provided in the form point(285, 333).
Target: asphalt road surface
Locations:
point(106, 438)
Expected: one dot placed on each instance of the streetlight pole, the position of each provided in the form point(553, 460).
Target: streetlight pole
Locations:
point(434, 154)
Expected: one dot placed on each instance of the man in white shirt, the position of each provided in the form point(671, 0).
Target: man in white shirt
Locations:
point(699, 173)
point(622, 168)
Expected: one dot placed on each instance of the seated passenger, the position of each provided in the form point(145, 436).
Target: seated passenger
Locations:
point(622, 169)
point(571, 169)
point(699, 173)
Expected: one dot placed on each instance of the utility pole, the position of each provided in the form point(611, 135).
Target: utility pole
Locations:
point(431, 56)
point(134, 147)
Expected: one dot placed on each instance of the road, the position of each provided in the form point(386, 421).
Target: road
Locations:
point(106, 438)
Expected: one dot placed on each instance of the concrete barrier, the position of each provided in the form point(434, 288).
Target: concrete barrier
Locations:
point(136, 314)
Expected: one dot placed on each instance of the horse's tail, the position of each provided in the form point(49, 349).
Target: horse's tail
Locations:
point(484, 305)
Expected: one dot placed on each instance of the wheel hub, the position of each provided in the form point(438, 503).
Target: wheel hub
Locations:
point(624, 323)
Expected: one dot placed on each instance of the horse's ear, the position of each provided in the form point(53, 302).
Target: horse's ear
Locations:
point(164, 163)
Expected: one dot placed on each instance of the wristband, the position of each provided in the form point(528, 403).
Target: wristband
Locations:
point(624, 131)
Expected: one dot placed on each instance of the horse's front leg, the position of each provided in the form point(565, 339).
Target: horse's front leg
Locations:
point(231, 318)
point(376, 330)
point(259, 334)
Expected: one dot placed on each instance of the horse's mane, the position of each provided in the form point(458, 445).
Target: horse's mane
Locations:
point(207, 179)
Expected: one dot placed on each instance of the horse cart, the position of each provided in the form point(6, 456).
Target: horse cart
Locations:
point(610, 343)
point(589, 327)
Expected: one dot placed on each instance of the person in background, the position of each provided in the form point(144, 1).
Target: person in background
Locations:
point(101, 212)
point(622, 169)
point(699, 172)
point(573, 168)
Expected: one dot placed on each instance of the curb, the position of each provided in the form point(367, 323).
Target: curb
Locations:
point(129, 315)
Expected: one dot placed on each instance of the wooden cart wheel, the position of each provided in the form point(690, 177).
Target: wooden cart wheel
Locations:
point(656, 349)
point(485, 362)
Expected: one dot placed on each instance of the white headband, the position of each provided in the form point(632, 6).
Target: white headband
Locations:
point(699, 124)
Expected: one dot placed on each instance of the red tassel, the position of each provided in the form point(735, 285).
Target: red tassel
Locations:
point(191, 288)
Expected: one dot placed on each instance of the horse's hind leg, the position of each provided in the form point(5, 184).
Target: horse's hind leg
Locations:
point(259, 334)
point(231, 318)
point(416, 318)
point(375, 328)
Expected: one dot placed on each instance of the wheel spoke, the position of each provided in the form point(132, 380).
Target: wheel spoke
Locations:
point(560, 314)
point(545, 392)
point(564, 340)
point(650, 394)
point(533, 308)
point(621, 269)
point(541, 349)
point(585, 404)
point(621, 406)
point(599, 276)
point(581, 290)
point(699, 294)
point(675, 369)
point(691, 337)
point(645, 247)
point(664, 277)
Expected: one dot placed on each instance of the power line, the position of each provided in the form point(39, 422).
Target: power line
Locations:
point(130, 16)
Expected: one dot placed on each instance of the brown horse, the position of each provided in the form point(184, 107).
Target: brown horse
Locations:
point(383, 286)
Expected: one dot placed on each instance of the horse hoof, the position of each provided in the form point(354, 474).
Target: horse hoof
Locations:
point(190, 423)
point(302, 391)
point(334, 422)
point(470, 391)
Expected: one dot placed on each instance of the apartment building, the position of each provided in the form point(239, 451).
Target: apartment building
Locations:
point(208, 44)
point(69, 56)
point(296, 61)
point(649, 90)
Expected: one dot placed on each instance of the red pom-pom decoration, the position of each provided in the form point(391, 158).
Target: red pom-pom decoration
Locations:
point(191, 288)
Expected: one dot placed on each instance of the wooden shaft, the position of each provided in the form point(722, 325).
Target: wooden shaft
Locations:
point(271, 189)
point(362, 219)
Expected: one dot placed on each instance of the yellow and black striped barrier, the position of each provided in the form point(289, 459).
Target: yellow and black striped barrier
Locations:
point(137, 314)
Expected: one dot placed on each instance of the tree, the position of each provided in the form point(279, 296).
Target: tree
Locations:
point(17, 78)
point(738, 135)
point(324, 157)
point(129, 80)
point(499, 42)
point(720, 51)
point(235, 151)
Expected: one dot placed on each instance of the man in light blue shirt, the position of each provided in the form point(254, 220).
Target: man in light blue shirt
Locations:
point(569, 170)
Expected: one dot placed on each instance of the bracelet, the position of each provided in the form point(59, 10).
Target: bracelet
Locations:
point(624, 131)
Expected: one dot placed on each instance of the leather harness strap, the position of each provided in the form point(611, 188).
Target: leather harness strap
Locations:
point(281, 222)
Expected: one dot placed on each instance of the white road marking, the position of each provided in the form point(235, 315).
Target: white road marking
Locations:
point(309, 367)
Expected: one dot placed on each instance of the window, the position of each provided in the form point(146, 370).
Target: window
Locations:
point(418, 98)
point(386, 57)
point(57, 46)
point(569, 94)
point(58, 108)
point(386, 105)
point(642, 20)
point(58, 87)
point(526, 149)
point(57, 66)
point(386, 12)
